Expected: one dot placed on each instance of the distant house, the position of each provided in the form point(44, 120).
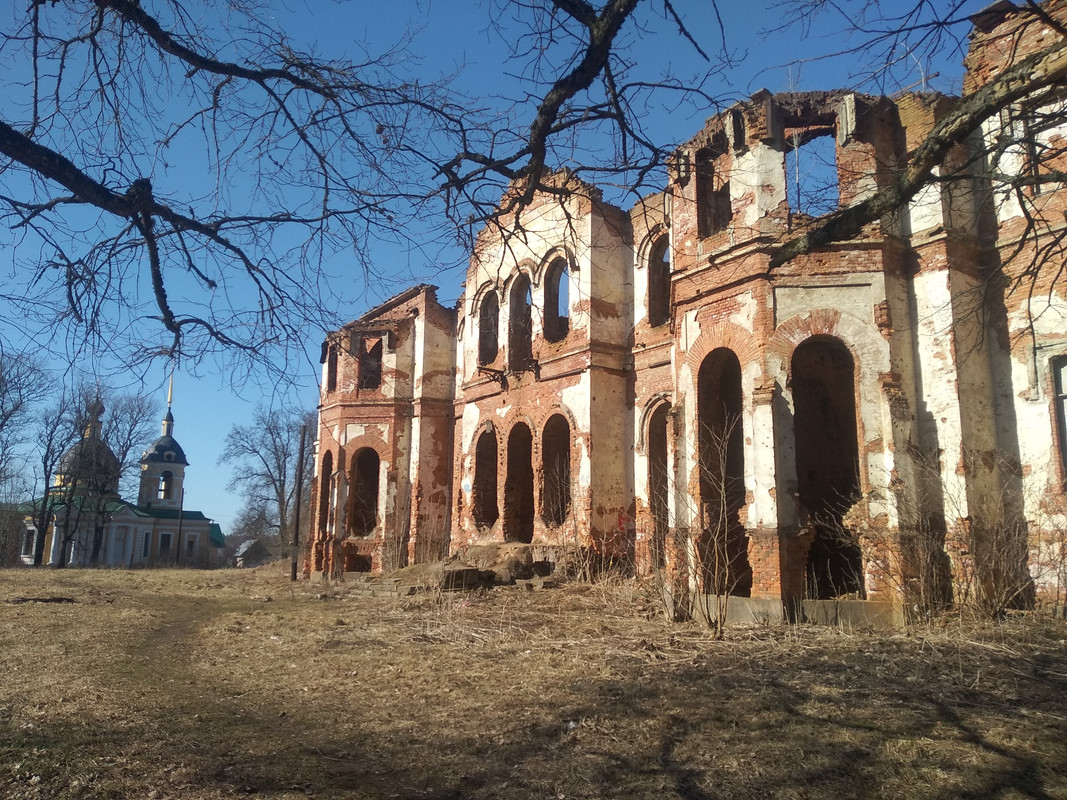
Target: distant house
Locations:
point(91, 525)
point(251, 553)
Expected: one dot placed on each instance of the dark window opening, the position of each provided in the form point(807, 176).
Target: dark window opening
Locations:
point(518, 486)
point(723, 544)
point(556, 470)
point(1059, 374)
point(325, 474)
point(713, 189)
point(166, 486)
point(812, 180)
point(164, 544)
point(356, 562)
point(370, 365)
point(363, 489)
point(485, 509)
point(557, 301)
point(488, 329)
point(146, 546)
point(331, 369)
point(657, 482)
point(827, 461)
point(659, 282)
point(520, 345)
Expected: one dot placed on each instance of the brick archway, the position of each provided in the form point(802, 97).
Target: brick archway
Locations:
point(723, 335)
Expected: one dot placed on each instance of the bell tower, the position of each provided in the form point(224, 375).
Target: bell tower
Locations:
point(163, 465)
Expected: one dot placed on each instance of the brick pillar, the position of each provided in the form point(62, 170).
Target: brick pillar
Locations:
point(765, 559)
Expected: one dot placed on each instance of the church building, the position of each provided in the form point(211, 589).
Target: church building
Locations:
point(91, 525)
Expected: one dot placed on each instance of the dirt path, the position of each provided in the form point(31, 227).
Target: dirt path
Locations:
point(195, 685)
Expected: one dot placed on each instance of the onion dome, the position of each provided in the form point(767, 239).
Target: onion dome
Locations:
point(90, 465)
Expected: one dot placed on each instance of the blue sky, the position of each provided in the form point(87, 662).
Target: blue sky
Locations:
point(452, 37)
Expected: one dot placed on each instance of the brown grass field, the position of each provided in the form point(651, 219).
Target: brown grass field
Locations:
point(219, 684)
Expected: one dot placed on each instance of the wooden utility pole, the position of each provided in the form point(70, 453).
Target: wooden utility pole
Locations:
point(299, 492)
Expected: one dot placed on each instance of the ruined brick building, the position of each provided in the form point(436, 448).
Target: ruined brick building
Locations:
point(644, 384)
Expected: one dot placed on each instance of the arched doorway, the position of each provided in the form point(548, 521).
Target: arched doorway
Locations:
point(325, 473)
point(720, 435)
point(363, 492)
point(484, 502)
point(657, 482)
point(556, 470)
point(827, 461)
point(518, 486)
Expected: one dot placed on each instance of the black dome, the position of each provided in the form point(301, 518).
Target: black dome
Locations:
point(165, 449)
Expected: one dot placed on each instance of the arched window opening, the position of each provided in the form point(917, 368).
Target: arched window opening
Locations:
point(370, 364)
point(166, 485)
point(723, 545)
point(556, 470)
point(485, 509)
point(827, 461)
point(363, 492)
point(520, 346)
point(713, 189)
point(557, 301)
point(657, 482)
point(331, 369)
point(325, 475)
point(488, 329)
point(518, 486)
point(659, 282)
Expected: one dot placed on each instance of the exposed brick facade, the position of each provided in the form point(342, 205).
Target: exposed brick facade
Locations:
point(644, 386)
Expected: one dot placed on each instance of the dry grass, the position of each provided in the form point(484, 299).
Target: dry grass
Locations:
point(195, 685)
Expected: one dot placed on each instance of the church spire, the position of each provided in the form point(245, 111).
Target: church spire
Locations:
point(168, 419)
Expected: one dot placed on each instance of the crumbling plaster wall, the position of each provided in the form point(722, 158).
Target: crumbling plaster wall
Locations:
point(948, 376)
point(590, 365)
point(402, 420)
point(1028, 310)
point(726, 297)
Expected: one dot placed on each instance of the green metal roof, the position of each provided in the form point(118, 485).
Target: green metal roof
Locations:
point(114, 506)
point(216, 535)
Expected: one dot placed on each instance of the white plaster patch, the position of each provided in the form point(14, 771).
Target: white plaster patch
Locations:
point(924, 210)
point(745, 316)
point(585, 467)
point(576, 399)
point(792, 301)
point(761, 173)
point(353, 431)
point(1047, 315)
point(469, 425)
point(690, 330)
